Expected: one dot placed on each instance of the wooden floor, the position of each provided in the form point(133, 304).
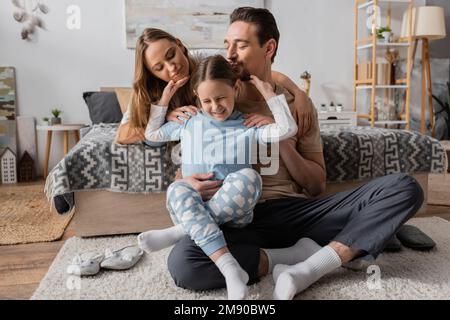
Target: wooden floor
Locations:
point(23, 266)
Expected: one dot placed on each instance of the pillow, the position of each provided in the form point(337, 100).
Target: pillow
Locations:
point(103, 107)
point(124, 97)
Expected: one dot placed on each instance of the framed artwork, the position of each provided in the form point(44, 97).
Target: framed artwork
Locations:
point(200, 24)
point(7, 94)
point(7, 110)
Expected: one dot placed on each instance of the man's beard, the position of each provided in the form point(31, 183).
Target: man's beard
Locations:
point(243, 74)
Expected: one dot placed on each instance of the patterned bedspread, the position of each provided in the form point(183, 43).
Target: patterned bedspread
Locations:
point(350, 154)
point(363, 152)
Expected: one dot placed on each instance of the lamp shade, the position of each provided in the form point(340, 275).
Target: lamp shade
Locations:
point(428, 22)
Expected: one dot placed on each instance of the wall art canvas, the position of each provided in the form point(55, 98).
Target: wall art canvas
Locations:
point(8, 139)
point(198, 23)
point(7, 94)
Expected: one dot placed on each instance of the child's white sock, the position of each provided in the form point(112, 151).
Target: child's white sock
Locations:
point(155, 240)
point(302, 250)
point(294, 279)
point(235, 277)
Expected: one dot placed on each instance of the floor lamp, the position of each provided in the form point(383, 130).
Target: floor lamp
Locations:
point(428, 25)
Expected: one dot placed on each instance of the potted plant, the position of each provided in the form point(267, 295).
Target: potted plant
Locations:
point(46, 120)
point(384, 33)
point(56, 119)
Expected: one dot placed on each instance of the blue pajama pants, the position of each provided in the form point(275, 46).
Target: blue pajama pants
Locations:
point(232, 204)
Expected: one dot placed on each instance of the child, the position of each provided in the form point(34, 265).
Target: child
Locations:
point(216, 140)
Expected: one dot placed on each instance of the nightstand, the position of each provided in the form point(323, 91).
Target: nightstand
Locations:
point(65, 128)
point(335, 119)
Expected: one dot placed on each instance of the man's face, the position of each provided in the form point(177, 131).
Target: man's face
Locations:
point(244, 52)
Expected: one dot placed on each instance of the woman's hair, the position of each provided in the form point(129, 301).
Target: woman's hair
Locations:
point(213, 68)
point(147, 88)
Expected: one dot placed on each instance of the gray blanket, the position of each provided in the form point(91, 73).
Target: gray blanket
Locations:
point(359, 153)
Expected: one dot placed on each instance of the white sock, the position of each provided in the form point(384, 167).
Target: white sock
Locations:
point(302, 250)
point(235, 277)
point(155, 240)
point(295, 279)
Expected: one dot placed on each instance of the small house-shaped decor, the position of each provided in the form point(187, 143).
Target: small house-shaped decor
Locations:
point(26, 170)
point(8, 166)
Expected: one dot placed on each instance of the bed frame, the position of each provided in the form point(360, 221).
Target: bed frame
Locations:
point(100, 213)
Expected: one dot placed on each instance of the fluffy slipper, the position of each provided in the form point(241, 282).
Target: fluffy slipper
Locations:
point(122, 259)
point(85, 264)
point(393, 245)
point(411, 237)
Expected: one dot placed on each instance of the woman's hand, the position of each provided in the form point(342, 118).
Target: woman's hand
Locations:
point(177, 113)
point(170, 90)
point(258, 120)
point(265, 88)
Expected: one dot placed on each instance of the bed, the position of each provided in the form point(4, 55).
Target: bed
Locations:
point(120, 189)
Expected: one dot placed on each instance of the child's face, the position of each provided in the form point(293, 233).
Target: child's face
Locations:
point(217, 98)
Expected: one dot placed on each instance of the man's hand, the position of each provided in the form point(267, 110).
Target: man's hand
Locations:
point(258, 120)
point(182, 112)
point(200, 182)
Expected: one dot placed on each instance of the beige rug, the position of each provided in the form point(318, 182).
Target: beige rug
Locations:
point(25, 216)
point(404, 275)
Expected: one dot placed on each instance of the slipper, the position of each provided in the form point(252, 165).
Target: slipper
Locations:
point(85, 264)
point(411, 237)
point(393, 245)
point(122, 259)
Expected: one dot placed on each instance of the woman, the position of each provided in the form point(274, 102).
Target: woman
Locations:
point(163, 66)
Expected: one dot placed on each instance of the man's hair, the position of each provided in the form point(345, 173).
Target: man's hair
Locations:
point(264, 21)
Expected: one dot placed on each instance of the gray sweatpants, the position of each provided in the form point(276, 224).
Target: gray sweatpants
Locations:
point(364, 218)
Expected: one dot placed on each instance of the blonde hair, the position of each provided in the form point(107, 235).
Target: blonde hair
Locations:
point(147, 88)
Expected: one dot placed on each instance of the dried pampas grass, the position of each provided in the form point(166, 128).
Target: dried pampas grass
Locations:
point(31, 20)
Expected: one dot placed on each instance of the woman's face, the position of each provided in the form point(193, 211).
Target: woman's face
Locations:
point(165, 60)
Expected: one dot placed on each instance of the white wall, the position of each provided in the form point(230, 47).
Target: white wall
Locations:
point(55, 70)
point(317, 36)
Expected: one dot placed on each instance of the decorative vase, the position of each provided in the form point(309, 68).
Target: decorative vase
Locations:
point(55, 121)
point(387, 36)
point(392, 111)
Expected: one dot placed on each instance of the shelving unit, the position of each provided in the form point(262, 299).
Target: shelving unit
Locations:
point(373, 44)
